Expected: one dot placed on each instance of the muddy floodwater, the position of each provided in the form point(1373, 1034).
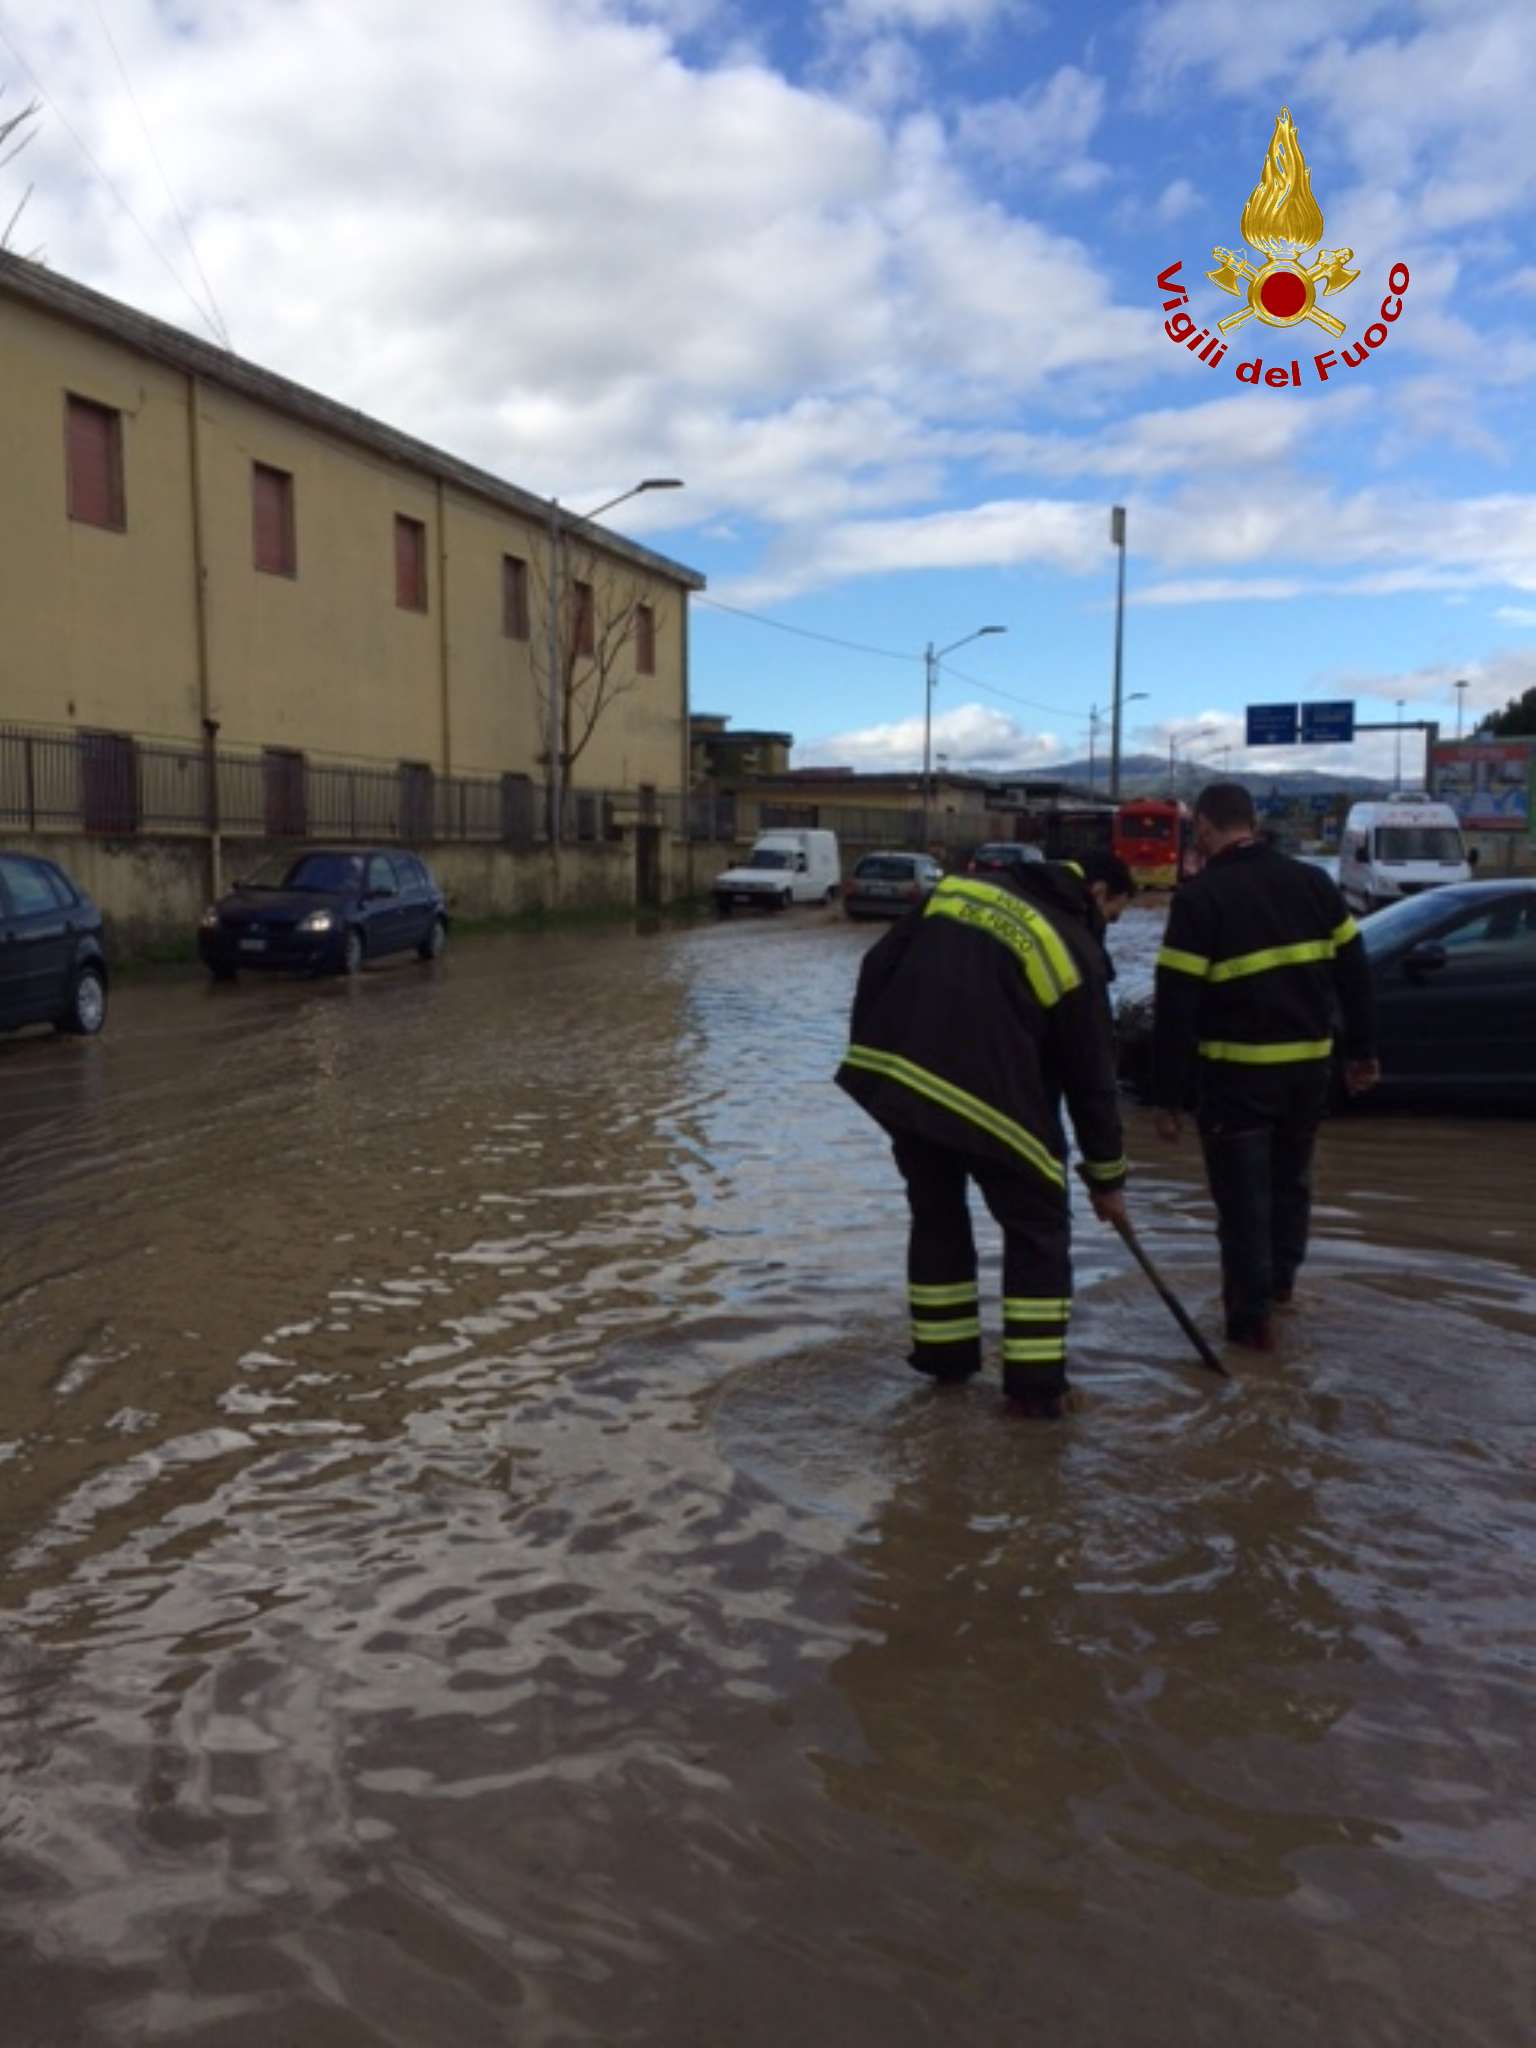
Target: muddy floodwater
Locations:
point(477, 1569)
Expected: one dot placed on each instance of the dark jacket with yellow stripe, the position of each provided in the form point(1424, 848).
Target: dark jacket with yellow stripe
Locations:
point(976, 1014)
point(1259, 958)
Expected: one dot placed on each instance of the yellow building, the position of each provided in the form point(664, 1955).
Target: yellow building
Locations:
point(194, 550)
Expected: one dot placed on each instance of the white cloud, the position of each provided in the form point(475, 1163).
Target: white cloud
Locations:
point(1042, 132)
point(926, 17)
point(1177, 199)
point(974, 738)
point(1240, 434)
point(1516, 614)
point(1221, 590)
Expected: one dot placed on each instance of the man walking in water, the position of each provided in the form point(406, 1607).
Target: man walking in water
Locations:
point(1259, 953)
point(973, 1017)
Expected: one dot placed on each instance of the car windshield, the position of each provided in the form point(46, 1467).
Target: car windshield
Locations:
point(767, 857)
point(885, 868)
point(1403, 924)
point(315, 873)
point(1440, 843)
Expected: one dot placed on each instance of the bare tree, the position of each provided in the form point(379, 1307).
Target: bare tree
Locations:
point(602, 618)
point(16, 131)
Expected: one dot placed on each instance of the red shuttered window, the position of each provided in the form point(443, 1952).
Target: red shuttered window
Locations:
point(273, 546)
point(410, 564)
point(514, 597)
point(93, 452)
point(645, 640)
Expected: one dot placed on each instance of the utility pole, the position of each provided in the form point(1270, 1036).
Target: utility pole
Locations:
point(930, 665)
point(1093, 734)
point(1397, 771)
point(555, 722)
point(1117, 535)
point(1461, 698)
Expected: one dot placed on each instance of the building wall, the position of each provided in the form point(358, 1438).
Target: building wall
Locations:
point(101, 628)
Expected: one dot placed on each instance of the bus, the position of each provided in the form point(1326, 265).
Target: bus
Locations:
point(1154, 836)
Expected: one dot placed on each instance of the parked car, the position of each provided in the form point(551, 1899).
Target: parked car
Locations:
point(787, 864)
point(53, 969)
point(329, 910)
point(888, 884)
point(999, 855)
point(1455, 974)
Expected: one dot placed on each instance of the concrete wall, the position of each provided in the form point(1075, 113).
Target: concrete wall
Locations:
point(153, 890)
point(101, 628)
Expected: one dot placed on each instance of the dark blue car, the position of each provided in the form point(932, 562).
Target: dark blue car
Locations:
point(328, 911)
point(53, 969)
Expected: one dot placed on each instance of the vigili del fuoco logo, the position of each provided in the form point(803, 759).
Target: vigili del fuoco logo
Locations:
point(1281, 222)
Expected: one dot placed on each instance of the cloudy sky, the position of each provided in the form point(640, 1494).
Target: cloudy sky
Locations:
point(878, 279)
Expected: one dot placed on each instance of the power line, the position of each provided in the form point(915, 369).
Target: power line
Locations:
point(975, 683)
point(805, 633)
point(886, 654)
point(149, 140)
point(74, 134)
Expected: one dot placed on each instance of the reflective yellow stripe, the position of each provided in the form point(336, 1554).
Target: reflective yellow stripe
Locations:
point(1272, 956)
point(1343, 933)
point(1021, 1308)
point(1106, 1169)
point(1266, 1055)
point(1033, 939)
point(944, 1297)
point(1034, 1350)
point(947, 1333)
point(1073, 868)
point(1184, 963)
point(959, 1103)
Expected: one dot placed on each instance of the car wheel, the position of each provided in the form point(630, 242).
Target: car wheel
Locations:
point(786, 899)
point(87, 1010)
point(831, 895)
point(722, 908)
point(223, 973)
point(431, 947)
point(353, 952)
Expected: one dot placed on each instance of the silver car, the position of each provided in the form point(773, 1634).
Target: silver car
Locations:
point(889, 884)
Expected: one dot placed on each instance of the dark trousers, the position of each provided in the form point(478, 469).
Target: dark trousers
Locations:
point(1258, 1139)
point(942, 1285)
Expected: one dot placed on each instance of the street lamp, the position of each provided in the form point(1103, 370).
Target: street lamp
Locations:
point(556, 712)
point(1461, 698)
point(931, 659)
point(1117, 536)
point(1397, 772)
point(1201, 732)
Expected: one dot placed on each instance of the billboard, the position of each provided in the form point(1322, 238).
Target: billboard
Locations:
point(1487, 782)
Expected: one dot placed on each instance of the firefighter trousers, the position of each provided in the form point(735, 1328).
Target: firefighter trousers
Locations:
point(1258, 1161)
point(942, 1287)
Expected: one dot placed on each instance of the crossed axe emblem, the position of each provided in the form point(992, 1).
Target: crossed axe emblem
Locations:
point(1327, 272)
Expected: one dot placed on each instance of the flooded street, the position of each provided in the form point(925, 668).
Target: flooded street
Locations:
point(478, 1569)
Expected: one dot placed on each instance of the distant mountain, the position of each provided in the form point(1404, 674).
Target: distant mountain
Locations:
point(1147, 775)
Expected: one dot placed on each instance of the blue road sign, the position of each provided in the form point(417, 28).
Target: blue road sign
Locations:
point(1324, 723)
point(1271, 725)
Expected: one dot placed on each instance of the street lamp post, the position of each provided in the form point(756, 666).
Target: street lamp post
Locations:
point(931, 659)
point(1461, 698)
point(1136, 697)
point(1398, 769)
point(555, 719)
point(1117, 535)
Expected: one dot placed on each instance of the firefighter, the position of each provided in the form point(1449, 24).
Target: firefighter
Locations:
point(973, 1017)
point(1259, 952)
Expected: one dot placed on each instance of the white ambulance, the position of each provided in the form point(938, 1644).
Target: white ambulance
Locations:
point(1399, 847)
point(785, 866)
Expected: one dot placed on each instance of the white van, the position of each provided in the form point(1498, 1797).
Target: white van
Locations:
point(784, 867)
point(1398, 848)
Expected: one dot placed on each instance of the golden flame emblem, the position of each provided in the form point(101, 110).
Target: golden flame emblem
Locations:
point(1281, 220)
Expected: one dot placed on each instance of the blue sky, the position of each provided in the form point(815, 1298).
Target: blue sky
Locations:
point(878, 278)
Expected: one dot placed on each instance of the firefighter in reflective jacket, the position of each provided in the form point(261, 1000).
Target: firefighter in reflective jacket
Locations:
point(974, 1016)
point(1259, 957)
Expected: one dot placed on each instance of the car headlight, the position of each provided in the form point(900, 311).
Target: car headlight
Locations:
point(318, 921)
point(211, 918)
